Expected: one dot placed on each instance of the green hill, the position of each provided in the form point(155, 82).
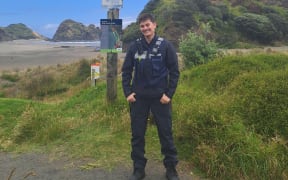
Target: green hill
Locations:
point(70, 30)
point(233, 24)
point(230, 119)
point(17, 31)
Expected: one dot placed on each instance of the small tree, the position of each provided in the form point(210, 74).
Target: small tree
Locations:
point(196, 49)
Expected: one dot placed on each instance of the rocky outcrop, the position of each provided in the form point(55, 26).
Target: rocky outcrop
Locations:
point(70, 30)
point(17, 31)
point(3, 35)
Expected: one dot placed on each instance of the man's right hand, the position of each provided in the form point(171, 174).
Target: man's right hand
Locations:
point(131, 98)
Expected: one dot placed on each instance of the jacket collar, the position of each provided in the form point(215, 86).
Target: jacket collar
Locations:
point(146, 45)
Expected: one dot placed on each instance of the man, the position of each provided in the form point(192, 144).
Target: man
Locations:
point(149, 78)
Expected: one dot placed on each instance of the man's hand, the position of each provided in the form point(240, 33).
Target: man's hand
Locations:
point(131, 98)
point(165, 99)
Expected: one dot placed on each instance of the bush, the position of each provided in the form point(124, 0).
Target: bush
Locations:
point(280, 24)
point(256, 27)
point(196, 49)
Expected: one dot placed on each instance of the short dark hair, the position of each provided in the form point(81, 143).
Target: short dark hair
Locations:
point(144, 17)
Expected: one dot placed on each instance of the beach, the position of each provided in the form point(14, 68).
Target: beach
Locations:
point(23, 54)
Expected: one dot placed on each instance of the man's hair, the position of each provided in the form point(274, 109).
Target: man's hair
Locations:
point(144, 17)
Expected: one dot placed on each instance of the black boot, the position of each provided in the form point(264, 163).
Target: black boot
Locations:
point(171, 173)
point(138, 174)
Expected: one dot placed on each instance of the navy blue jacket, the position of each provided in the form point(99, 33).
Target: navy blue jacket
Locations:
point(150, 74)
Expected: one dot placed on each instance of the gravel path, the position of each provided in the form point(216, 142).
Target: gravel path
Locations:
point(34, 166)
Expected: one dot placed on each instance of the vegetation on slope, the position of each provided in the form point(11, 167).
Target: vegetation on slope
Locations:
point(230, 120)
point(234, 117)
point(17, 31)
point(234, 23)
point(70, 30)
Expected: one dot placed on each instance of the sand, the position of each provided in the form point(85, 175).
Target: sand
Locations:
point(23, 54)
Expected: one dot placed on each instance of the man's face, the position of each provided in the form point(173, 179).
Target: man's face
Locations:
point(147, 28)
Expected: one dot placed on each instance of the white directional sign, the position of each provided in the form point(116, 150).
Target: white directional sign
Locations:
point(112, 3)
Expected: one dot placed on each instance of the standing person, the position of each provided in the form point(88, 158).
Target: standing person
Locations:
point(149, 78)
point(114, 38)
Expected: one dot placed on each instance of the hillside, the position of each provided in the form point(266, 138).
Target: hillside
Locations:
point(18, 31)
point(70, 30)
point(229, 117)
point(236, 23)
point(232, 24)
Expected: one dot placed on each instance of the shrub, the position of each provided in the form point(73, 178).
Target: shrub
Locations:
point(256, 27)
point(196, 49)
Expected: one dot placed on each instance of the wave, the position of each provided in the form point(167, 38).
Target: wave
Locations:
point(59, 43)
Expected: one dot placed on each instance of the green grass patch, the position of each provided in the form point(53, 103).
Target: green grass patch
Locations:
point(10, 110)
point(84, 125)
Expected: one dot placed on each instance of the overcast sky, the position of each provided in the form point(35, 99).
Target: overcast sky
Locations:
point(44, 16)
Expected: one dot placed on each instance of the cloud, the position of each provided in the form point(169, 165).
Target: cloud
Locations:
point(128, 20)
point(51, 27)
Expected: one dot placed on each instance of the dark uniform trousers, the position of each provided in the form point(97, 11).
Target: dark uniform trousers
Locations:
point(139, 111)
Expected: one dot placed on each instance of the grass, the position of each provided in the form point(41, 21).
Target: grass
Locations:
point(234, 117)
point(230, 120)
point(81, 126)
point(10, 110)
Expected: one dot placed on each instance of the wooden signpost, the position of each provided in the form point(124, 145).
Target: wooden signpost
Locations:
point(112, 56)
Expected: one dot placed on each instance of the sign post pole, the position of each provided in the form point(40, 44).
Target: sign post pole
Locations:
point(112, 56)
point(112, 61)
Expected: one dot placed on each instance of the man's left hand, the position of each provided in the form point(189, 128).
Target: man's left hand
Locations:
point(165, 99)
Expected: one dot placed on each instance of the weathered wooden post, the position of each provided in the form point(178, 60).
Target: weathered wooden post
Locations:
point(112, 61)
point(109, 45)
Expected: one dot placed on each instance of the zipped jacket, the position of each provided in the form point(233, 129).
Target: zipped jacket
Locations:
point(150, 72)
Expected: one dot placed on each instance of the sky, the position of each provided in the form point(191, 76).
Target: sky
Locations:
point(44, 16)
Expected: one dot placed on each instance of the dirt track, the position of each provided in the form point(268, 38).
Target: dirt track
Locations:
point(33, 166)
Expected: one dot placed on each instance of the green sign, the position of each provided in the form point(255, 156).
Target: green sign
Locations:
point(111, 35)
